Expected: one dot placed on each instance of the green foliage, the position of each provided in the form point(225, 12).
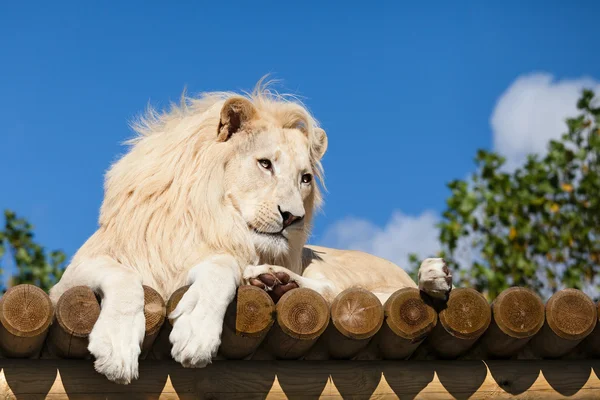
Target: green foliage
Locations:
point(538, 226)
point(33, 264)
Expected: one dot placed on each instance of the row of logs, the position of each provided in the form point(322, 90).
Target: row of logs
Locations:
point(408, 325)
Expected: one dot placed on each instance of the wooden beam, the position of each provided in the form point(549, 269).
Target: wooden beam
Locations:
point(408, 321)
point(303, 325)
point(155, 312)
point(356, 316)
point(302, 317)
point(77, 311)
point(63, 379)
point(570, 317)
point(462, 321)
point(517, 315)
point(26, 313)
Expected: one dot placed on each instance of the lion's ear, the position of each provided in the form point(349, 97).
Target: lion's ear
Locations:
point(320, 142)
point(235, 113)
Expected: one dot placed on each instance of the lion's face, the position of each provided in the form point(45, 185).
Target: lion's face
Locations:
point(270, 183)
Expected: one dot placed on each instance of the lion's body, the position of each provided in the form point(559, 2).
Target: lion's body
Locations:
point(164, 207)
point(350, 268)
point(212, 192)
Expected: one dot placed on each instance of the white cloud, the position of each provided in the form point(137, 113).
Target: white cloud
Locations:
point(532, 111)
point(402, 235)
point(527, 115)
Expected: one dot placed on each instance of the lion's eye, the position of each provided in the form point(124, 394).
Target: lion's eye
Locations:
point(306, 178)
point(266, 164)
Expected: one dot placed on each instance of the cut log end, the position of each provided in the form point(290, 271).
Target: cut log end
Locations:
point(357, 313)
point(518, 312)
point(174, 300)
point(571, 314)
point(77, 311)
point(154, 310)
point(467, 314)
point(408, 316)
point(254, 311)
point(26, 311)
point(303, 314)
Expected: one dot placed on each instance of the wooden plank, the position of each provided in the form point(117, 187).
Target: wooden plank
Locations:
point(76, 379)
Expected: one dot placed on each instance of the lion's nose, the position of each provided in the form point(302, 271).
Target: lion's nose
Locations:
point(289, 218)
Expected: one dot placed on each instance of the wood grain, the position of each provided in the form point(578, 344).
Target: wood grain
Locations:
point(356, 316)
point(76, 313)
point(155, 312)
point(465, 318)
point(26, 313)
point(78, 310)
point(408, 321)
point(302, 317)
point(517, 315)
point(570, 317)
point(247, 321)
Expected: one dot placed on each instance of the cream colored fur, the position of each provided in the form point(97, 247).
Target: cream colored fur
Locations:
point(194, 202)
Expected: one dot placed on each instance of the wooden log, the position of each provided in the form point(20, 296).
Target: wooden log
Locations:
point(26, 313)
point(570, 317)
point(161, 348)
point(247, 321)
point(517, 315)
point(78, 310)
point(174, 301)
point(76, 313)
point(592, 342)
point(466, 317)
point(302, 316)
point(408, 321)
point(356, 316)
point(155, 312)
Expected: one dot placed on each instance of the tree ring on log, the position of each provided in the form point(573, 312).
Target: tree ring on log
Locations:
point(254, 312)
point(303, 313)
point(408, 316)
point(154, 310)
point(26, 310)
point(571, 314)
point(357, 313)
point(518, 312)
point(77, 311)
point(467, 315)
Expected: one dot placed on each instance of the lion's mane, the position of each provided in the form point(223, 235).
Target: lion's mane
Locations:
point(164, 204)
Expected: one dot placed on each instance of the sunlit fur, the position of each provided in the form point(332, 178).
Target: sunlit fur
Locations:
point(191, 203)
point(165, 206)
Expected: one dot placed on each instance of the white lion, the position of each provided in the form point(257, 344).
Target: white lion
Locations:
point(216, 192)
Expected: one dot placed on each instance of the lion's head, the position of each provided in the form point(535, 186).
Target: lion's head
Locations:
point(270, 180)
point(222, 172)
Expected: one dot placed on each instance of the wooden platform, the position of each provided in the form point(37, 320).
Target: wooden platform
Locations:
point(302, 348)
point(76, 379)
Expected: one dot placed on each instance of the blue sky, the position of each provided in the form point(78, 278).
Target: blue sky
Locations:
point(406, 93)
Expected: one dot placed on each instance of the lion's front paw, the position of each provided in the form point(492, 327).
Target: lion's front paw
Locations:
point(275, 280)
point(115, 343)
point(196, 333)
point(435, 278)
